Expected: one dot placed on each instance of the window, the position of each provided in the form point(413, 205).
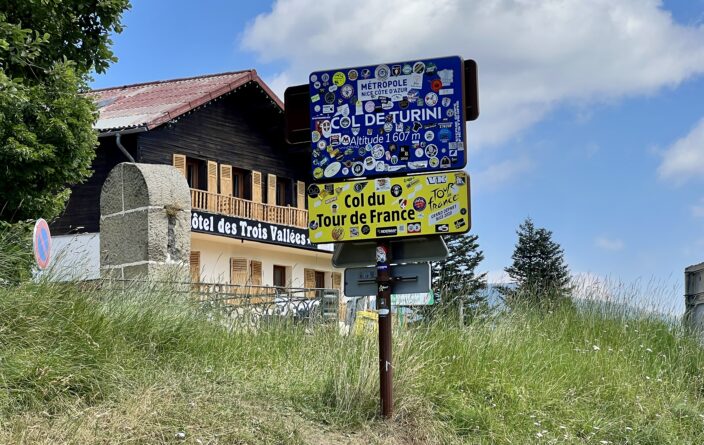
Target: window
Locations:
point(283, 197)
point(195, 174)
point(239, 182)
point(279, 276)
point(319, 279)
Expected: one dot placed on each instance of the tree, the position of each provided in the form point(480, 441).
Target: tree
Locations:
point(455, 279)
point(47, 51)
point(538, 268)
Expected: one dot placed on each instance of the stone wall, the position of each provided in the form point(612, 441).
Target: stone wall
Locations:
point(145, 223)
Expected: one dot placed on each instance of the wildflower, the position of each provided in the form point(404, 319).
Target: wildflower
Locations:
point(596, 348)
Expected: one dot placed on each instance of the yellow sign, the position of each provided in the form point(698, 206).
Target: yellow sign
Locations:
point(427, 204)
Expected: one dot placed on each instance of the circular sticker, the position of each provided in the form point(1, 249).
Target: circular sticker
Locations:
point(352, 75)
point(339, 78)
point(358, 169)
point(394, 159)
point(369, 163)
point(378, 151)
point(345, 139)
point(332, 169)
point(366, 73)
point(315, 136)
point(316, 85)
point(345, 171)
point(419, 67)
point(369, 106)
point(388, 127)
point(321, 145)
point(313, 190)
point(347, 91)
point(380, 166)
point(429, 135)
point(419, 152)
point(382, 72)
point(435, 85)
point(431, 150)
point(317, 108)
point(330, 98)
point(433, 162)
point(318, 173)
point(325, 77)
point(313, 77)
point(419, 204)
point(365, 229)
point(407, 69)
point(313, 225)
point(345, 122)
point(431, 99)
point(396, 190)
point(403, 103)
point(446, 101)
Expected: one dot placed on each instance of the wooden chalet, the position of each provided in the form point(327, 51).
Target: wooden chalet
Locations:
point(224, 133)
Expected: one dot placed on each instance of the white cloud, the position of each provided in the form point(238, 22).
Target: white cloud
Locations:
point(684, 159)
point(498, 277)
point(612, 244)
point(532, 55)
point(501, 173)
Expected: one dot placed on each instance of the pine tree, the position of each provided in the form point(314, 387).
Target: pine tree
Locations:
point(455, 279)
point(538, 268)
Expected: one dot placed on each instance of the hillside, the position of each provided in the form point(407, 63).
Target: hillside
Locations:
point(81, 365)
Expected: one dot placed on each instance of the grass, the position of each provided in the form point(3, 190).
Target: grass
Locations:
point(81, 365)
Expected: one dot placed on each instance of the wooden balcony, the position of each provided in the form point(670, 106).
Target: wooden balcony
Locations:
point(243, 208)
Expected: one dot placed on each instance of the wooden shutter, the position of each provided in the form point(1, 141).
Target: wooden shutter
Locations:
point(212, 185)
point(271, 189)
point(179, 162)
point(238, 271)
point(195, 266)
point(256, 186)
point(226, 179)
point(256, 272)
point(336, 280)
point(309, 282)
point(212, 177)
point(300, 194)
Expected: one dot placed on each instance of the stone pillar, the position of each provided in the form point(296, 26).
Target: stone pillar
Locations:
point(145, 230)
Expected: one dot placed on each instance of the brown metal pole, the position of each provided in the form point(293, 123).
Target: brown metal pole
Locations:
point(383, 304)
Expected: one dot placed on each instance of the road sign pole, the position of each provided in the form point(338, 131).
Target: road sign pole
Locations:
point(383, 302)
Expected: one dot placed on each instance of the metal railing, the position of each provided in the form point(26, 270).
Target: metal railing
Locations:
point(243, 306)
point(243, 208)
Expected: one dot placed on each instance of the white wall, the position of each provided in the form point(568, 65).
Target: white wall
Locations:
point(215, 253)
point(75, 257)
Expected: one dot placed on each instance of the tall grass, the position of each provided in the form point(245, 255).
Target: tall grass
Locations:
point(81, 364)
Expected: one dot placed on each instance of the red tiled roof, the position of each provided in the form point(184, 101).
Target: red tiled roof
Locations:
point(154, 103)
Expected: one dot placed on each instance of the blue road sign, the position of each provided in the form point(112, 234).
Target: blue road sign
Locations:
point(389, 119)
point(42, 243)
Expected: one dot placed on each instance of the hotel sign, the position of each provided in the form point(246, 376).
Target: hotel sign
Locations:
point(419, 205)
point(247, 229)
point(389, 119)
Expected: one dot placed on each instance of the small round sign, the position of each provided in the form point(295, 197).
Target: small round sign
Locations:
point(42, 243)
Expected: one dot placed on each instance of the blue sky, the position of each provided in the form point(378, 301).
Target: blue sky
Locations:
point(592, 113)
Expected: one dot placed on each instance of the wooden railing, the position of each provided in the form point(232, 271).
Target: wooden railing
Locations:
point(243, 208)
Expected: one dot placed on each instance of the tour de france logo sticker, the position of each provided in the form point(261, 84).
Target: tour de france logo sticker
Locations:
point(388, 119)
point(402, 206)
